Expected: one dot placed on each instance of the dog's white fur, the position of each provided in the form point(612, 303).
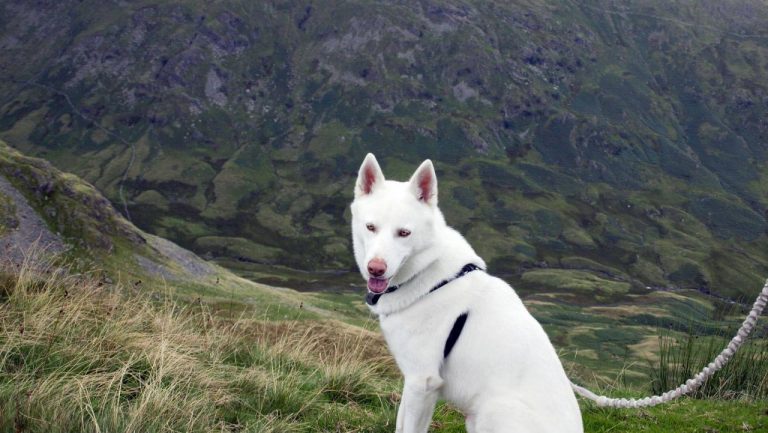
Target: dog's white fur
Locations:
point(503, 372)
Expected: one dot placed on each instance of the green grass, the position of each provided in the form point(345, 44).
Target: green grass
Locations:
point(77, 356)
point(745, 375)
point(576, 281)
point(684, 416)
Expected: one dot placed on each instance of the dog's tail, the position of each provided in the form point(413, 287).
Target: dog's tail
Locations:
point(695, 382)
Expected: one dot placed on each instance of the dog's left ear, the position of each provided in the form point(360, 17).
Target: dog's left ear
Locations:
point(423, 183)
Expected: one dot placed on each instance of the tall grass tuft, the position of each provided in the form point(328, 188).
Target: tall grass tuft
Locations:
point(77, 356)
point(745, 376)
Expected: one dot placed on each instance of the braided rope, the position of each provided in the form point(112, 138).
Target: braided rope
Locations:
point(691, 384)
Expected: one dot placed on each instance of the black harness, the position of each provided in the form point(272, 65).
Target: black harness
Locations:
point(372, 298)
point(458, 325)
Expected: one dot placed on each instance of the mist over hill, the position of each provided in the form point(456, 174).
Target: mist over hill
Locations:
point(593, 144)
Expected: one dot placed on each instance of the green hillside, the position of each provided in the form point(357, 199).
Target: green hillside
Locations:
point(57, 225)
point(122, 330)
point(586, 147)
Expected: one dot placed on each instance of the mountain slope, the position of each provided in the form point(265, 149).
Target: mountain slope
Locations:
point(574, 142)
point(44, 210)
point(55, 224)
point(47, 211)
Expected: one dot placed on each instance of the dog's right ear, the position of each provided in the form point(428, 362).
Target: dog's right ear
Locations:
point(369, 176)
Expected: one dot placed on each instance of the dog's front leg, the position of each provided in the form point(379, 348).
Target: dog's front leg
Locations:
point(418, 403)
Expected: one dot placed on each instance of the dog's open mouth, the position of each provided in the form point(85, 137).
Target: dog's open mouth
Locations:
point(377, 285)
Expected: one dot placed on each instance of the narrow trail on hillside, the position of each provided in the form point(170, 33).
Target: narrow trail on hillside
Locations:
point(79, 113)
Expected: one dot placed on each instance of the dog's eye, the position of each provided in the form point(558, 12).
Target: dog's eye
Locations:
point(403, 233)
point(370, 227)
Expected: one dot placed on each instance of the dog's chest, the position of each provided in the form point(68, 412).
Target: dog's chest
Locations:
point(417, 336)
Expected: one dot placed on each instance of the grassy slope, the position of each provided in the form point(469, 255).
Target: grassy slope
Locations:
point(96, 236)
point(76, 356)
point(601, 342)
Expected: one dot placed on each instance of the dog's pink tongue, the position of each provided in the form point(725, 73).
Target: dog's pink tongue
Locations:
point(377, 285)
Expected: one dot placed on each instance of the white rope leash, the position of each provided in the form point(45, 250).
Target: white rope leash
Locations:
point(699, 379)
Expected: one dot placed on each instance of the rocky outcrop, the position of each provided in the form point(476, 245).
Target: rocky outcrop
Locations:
point(22, 229)
point(44, 212)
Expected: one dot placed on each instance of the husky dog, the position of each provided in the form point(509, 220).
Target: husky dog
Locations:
point(454, 330)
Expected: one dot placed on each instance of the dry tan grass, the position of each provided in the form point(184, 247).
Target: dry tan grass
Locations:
point(647, 349)
point(327, 342)
point(76, 356)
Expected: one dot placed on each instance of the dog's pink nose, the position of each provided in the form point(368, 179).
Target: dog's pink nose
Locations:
point(377, 267)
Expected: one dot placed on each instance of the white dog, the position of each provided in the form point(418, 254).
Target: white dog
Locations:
point(455, 331)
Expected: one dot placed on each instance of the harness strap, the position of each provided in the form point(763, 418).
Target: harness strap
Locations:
point(453, 336)
point(469, 267)
point(372, 298)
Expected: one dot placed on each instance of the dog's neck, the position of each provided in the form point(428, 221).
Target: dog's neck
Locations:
point(426, 269)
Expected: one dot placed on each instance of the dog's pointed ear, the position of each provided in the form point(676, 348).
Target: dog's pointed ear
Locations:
point(423, 183)
point(369, 176)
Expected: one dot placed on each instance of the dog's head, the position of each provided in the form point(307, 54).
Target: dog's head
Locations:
point(392, 221)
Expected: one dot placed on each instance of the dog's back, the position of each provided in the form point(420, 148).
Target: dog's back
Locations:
point(504, 372)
